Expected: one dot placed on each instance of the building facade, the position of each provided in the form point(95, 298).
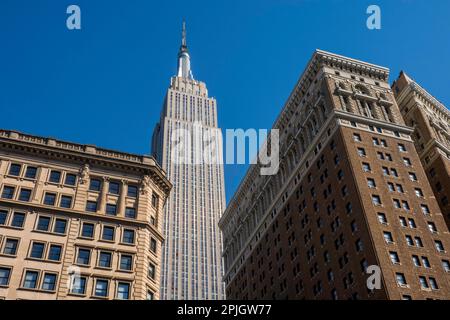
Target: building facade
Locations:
point(192, 262)
point(350, 196)
point(77, 221)
point(431, 122)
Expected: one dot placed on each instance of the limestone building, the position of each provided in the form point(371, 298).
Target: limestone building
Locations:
point(350, 193)
point(431, 122)
point(78, 221)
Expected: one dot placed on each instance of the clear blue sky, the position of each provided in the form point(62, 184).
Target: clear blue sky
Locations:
point(105, 84)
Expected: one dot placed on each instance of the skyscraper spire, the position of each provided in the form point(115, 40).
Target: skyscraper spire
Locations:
point(184, 60)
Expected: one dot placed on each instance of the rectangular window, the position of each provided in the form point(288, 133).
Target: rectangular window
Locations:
point(54, 253)
point(155, 200)
point(30, 279)
point(60, 226)
point(37, 250)
point(10, 247)
point(130, 213)
point(71, 179)
point(123, 291)
point(5, 274)
point(439, 246)
point(101, 288)
point(50, 199)
point(433, 283)
point(126, 262)
point(79, 285)
point(153, 245)
point(84, 256)
point(425, 209)
point(43, 223)
point(366, 167)
point(104, 260)
point(151, 271)
point(423, 282)
point(403, 222)
point(25, 195)
point(55, 176)
point(95, 185)
point(108, 233)
point(375, 141)
point(114, 187)
point(409, 240)
point(111, 209)
point(407, 162)
point(357, 137)
point(416, 261)
point(412, 176)
point(401, 280)
point(401, 147)
point(66, 202)
point(49, 282)
point(446, 265)
point(150, 295)
point(3, 217)
point(87, 230)
point(382, 218)
point(371, 183)
point(128, 236)
point(132, 191)
point(376, 200)
point(388, 237)
point(31, 172)
point(8, 192)
point(15, 169)
point(394, 257)
point(18, 220)
point(91, 206)
point(361, 152)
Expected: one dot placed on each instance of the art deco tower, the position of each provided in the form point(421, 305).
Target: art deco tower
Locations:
point(192, 262)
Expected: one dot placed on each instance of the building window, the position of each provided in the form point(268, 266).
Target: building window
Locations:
point(403, 222)
point(151, 271)
point(49, 282)
point(433, 283)
point(412, 176)
point(3, 217)
point(446, 265)
point(66, 202)
point(8, 192)
point(54, 252)
point(5, 274)
point(130, 213)
point(439, 246)
point(361, 152)
point(18, 220)
point(418, 192)
point(385, 171)
point(87, 230)
point(60, 226)
point(397, 204)
point(15, 169)
point(123, 291)
point(70, 180)
point(101, 288)
point(43, 223)
point(10, 247)
point(401, 280)
point(24, 195)
point(30, 279)
point(418, 242)
point(423, 282)
point(153, 245)
point(432, 227)
point(79, 285)
point(95, 185)
point(84, 256)
point(37, 250)
point(416, 261)
point(132, 191)
point(394, 257)
point(128, 236)
point(388, 237)
point(155, 200)
point(391, 187)
point(31, 172)
point(150, 295)
point(371, 183)
point(401, 147)
point(91, 206)
point(126, 262)
point(49, 199)
point(376, 200)
point(366, 167)
point(382, 218)
point(108, 233)
point(111, 209)
point(104, 260)
point(426, 262)
point(425, 209)
point(114, 187)
point(407, 162)
point(357, 137)
point(55, 176)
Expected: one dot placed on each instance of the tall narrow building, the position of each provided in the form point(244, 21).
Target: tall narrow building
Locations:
point(431, 122)
point(351, 199)
point(192, 262)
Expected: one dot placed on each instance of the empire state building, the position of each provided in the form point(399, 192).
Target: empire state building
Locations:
point(191, 257)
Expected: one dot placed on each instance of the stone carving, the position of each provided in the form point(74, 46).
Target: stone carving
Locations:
point(84, 174)
point(145, 185)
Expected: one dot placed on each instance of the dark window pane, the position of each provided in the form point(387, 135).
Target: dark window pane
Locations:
point(30, 280)
point(153, 245)
point(3, 216)
point(31, 172)
point(60, 226)
point(25, 195)
point(18, 220)
point(11, 247)
point(54, 252)
point(123, 291)
point(4, 276)
point(101, 288)
point(79, 285)
point(114, 187)
point(88, 230)
point(43, 224)
point(66, 202)
point(84, 256)
point(104, 260)
point(132, 191)
point(130, 213)
point(37, 250)
point(91, 206)
point(128, 236)
point(49, 199)
point(8, 192)
point(71, 179)
point(111, 209)
point(55, 176)
point(49, 282)
point(126, 262)
point(14, 170)
point(108, 233)
point(95, 185)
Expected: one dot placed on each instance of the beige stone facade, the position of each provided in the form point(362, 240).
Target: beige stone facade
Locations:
point(350, 193)
point(78, 221)
point(431, 122)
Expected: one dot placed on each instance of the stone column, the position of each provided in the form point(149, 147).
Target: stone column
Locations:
point(122, 199)
point(104, 191)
